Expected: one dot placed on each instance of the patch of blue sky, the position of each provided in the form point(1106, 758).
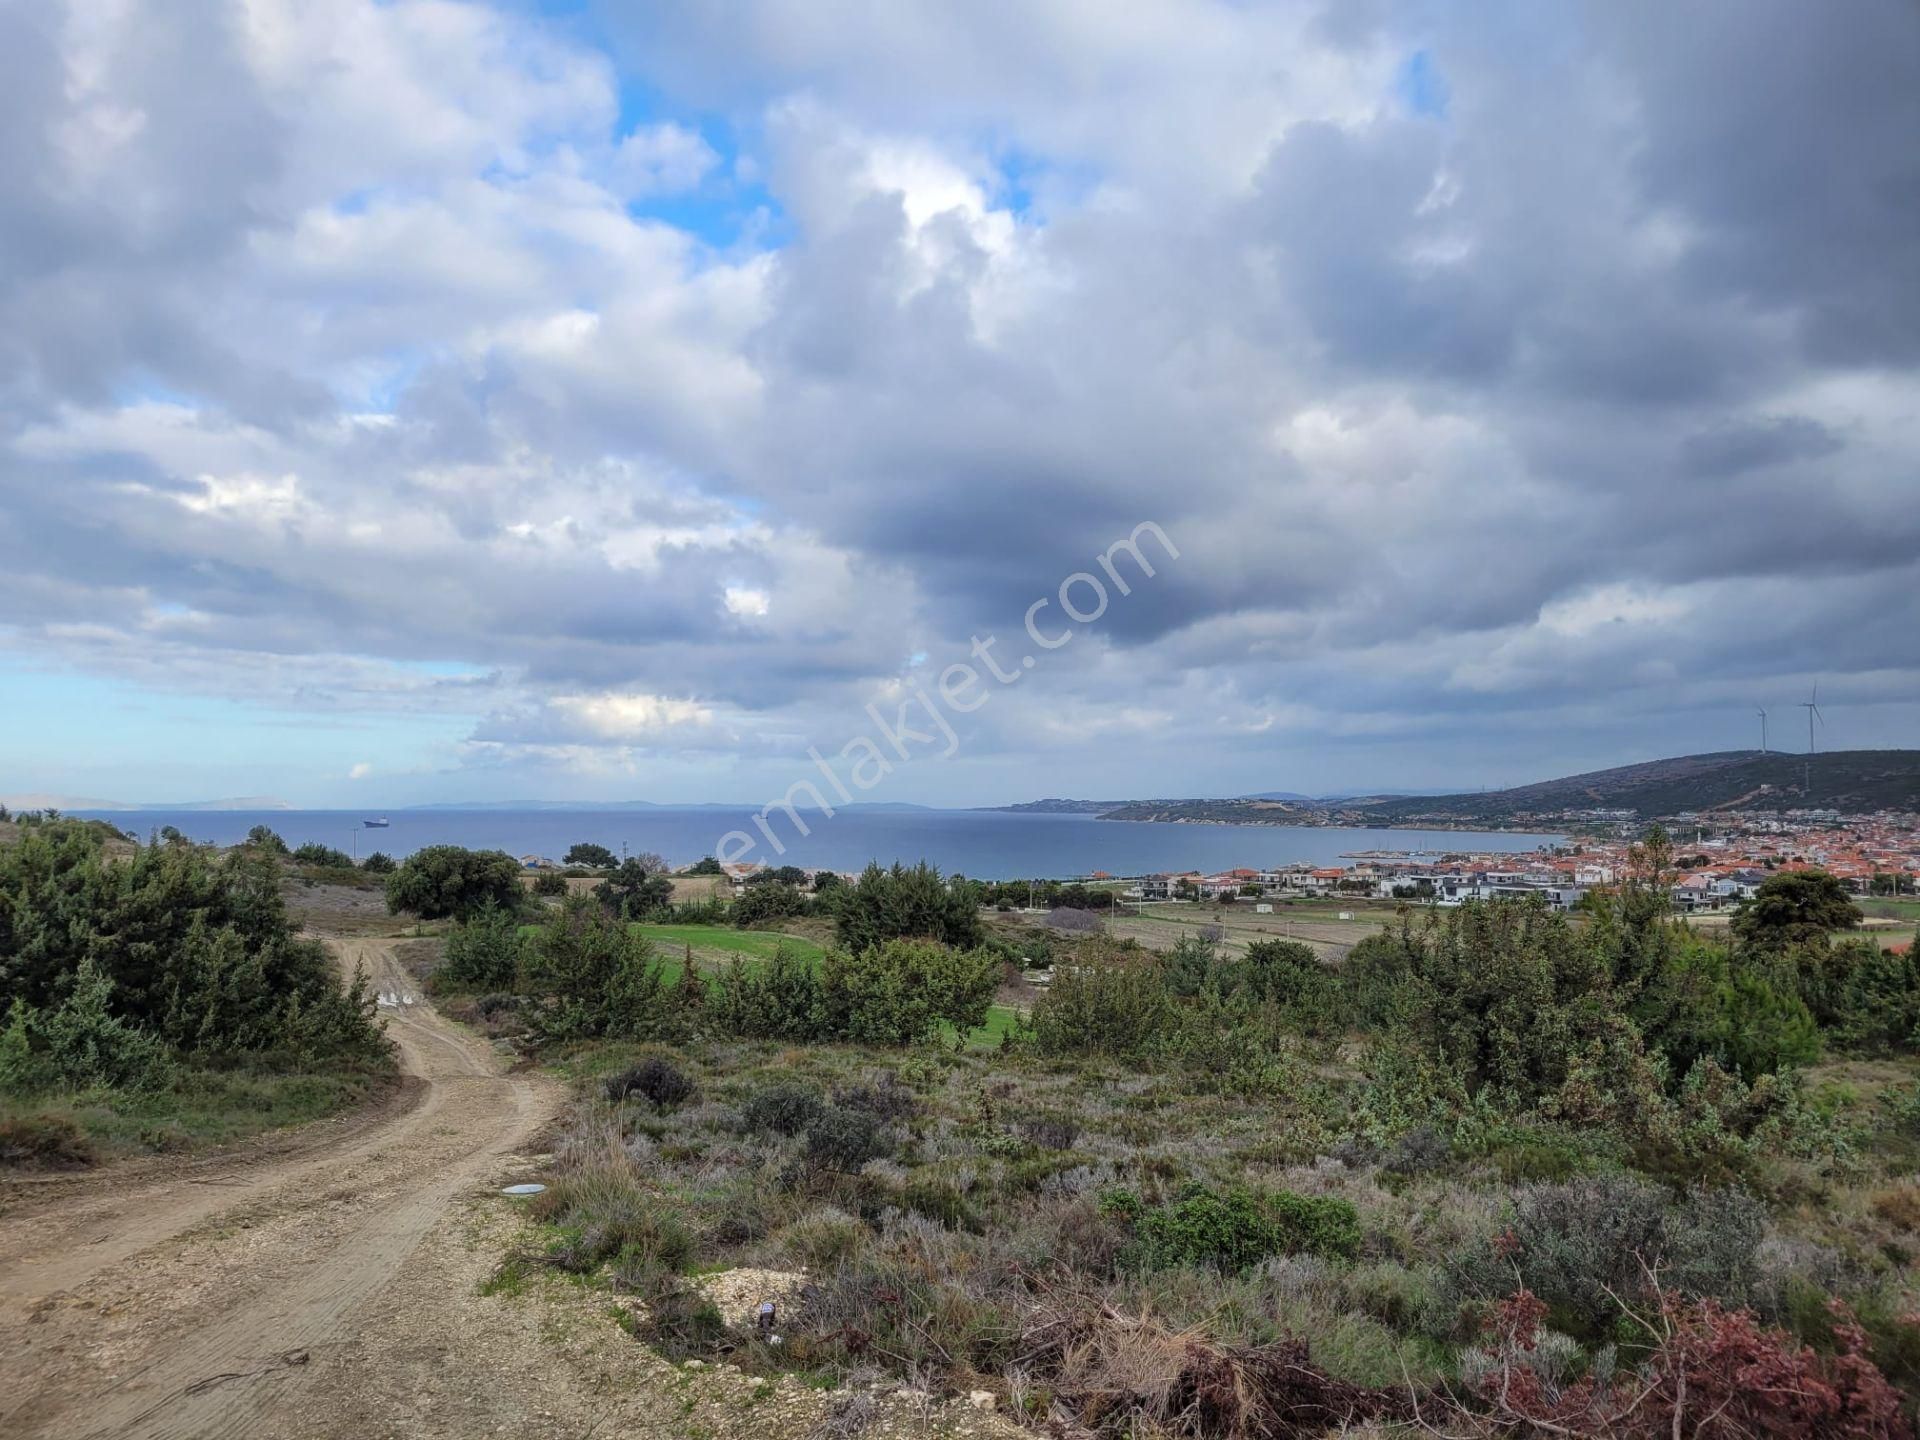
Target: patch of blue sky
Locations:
point(144, 388)
point(730, 206)
point(1033, 187)
point(375, 387)
point(1421, 87)
point(57, 718)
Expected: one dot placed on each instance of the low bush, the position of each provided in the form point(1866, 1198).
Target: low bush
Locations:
point(41, 1142)
point(844, 1140)
point(605, 1214)
point(682, 1324)
point(782, 1109)
point(655, 1080)
point(1234, 1228)
point(883, 1097)
point(323, 857)
point(1590, 1249)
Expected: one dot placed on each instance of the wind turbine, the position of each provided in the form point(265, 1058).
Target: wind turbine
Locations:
point(1763, 728)
point(1812, 707)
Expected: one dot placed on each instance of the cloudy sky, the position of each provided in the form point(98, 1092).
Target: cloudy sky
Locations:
point(413, 401)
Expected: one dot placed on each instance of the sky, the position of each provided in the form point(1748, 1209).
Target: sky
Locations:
point(420, 401)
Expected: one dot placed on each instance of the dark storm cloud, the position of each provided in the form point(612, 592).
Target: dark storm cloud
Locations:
point(1785, 134)
point(1755, 444)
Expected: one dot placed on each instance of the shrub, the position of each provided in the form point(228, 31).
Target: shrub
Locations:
point(450, 880)
point(379, 863)
point(1875, 1004)
point(604, 1213)
point(482, 953)
point(1050, 1132)
point(41, 1142)
point(1712, 1372)
point(655, 1080)
point(761, 903)
point(940, 1201)
point(549, 883)
point(323, 857)
point(637, 889)
point(118, 966)
point(782, 1109)
point(683, 1324)
point(1589, 1246)
point(901, 993)
point(884, 1098)
point(266, 838)
point(1419, 1150)
point(1234, 1228)
point(779, 1000)
point(80, 1044)
point(885, 905)
point(1111, 1006)
point(844, 1140)
point(587, 974)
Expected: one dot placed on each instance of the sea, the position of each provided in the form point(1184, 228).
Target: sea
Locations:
point(985, 844)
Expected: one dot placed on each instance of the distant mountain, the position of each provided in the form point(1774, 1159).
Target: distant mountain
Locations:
point(1846, 780)
point(1337, 798)
point(605, 806)
point(83, 803)
point(1223, 812)
point(1059, 807)
point(537, 805)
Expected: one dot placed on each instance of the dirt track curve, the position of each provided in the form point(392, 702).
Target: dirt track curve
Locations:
point(232, 1298)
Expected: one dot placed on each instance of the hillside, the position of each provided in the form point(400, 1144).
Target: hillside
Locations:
point(1222, 812)
point(1851, 781)
point(1846, 780)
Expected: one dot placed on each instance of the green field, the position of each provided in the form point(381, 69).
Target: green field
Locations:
point(724, 942)
point(1885, 907)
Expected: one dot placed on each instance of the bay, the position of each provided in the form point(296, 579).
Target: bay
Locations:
point(986, 844)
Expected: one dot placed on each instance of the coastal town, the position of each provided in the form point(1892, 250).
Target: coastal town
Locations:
point(1719, 861)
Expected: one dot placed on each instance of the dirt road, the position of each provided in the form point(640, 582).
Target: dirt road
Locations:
point(218, 1300)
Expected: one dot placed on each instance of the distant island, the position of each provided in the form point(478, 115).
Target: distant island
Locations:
point(84, 803)
point(1844, 781)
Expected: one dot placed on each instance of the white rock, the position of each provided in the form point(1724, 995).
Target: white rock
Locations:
point(983, 1399)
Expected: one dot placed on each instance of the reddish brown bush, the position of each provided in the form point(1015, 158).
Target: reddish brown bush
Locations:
point(1715, 1373)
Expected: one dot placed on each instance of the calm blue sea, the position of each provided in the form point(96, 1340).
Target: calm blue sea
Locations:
point(990, 845)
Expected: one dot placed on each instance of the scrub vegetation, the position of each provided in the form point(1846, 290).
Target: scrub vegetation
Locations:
point(1502, 1172)
point(159, 996)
